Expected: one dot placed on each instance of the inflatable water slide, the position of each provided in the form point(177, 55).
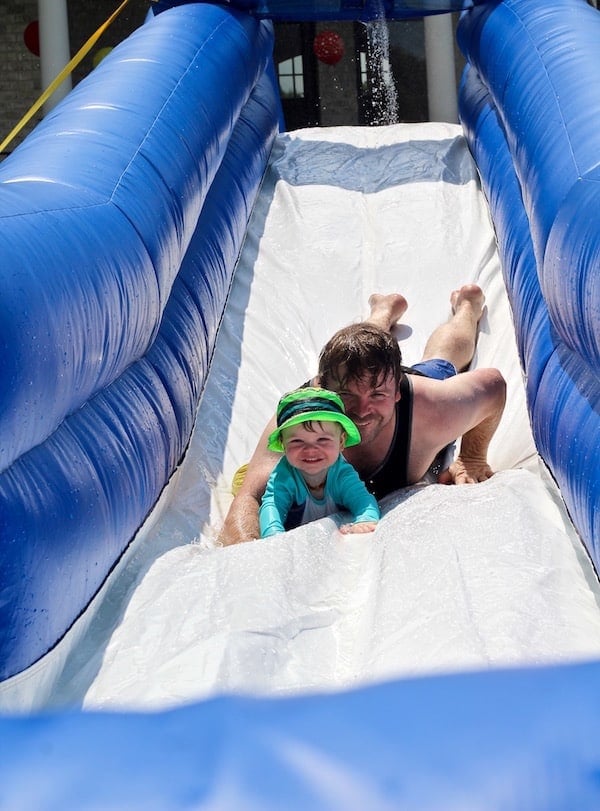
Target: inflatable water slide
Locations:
point(172, 261)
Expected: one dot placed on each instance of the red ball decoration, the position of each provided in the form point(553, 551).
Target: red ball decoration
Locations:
point(328, 47)
point(31, 37)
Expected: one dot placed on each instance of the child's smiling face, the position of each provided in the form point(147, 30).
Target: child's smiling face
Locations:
point(312, 447)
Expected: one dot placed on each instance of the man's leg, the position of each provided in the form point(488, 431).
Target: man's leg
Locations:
point(455, 340)
point(386, 310)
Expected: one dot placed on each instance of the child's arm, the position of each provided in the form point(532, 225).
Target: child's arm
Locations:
point(356, 498)
point(275, 504)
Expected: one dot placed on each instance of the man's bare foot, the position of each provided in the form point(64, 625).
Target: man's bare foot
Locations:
point(471, 297)
point(386, 309)
point(456, 339)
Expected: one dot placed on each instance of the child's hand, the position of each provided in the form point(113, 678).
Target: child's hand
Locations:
point(358, 529)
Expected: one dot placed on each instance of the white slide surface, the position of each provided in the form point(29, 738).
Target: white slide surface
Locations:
point(454, 578)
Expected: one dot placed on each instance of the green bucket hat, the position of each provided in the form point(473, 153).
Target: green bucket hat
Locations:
point(303, 405)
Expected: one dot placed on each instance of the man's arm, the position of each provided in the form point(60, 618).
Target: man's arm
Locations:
point(241, 521)
point(471, 464)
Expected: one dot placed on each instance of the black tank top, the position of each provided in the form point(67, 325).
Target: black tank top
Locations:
point(392, 473)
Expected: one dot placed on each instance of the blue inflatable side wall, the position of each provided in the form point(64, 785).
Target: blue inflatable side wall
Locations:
point(121, 218)
point(530, 105)
point(517, 740)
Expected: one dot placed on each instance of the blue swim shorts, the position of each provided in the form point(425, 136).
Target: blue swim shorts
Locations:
point(437, 368)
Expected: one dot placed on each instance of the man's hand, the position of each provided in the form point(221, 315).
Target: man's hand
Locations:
point(466, 471)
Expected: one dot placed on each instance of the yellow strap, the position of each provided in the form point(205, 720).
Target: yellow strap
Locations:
point(238, 479)
point(83, 51)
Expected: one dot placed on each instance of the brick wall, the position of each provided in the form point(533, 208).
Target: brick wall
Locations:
point(85, 17)
point(20, 75)
point(20, 82)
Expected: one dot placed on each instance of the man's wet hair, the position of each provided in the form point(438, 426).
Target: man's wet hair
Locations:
point(360, 352)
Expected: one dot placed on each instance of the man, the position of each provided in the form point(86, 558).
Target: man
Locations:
point(405, 421)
